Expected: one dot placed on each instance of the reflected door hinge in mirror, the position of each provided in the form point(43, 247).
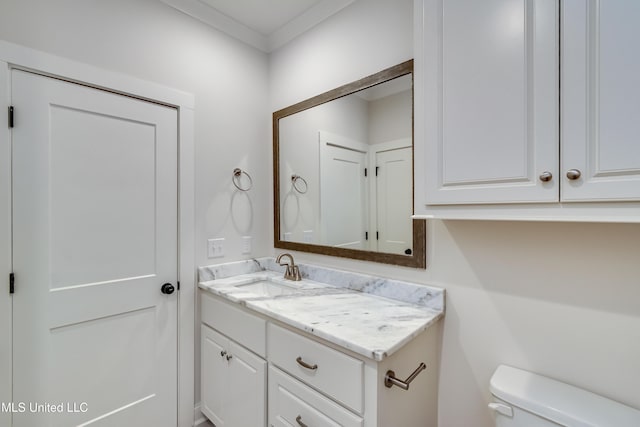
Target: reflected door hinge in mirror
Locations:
point(10, 116)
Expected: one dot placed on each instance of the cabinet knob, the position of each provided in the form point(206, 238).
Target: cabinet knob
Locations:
point(546, 176)
point(573, 174)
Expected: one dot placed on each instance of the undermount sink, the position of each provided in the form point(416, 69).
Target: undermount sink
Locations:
point(266, 288)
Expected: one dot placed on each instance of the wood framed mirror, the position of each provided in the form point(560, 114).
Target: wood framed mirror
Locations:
point(343, 172)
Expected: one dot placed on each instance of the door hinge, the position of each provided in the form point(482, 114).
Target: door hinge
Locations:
point(11, 116)
point(178, 285)
point(377, 236)
point(377, 167)
point(366, 235)
point(365, 171)
point(12, 283)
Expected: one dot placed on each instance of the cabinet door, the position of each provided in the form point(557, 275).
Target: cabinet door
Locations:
point(214, 375)
point(601, 99)
point(246, 400)
point(490, 101)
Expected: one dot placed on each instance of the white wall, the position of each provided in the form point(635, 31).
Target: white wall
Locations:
point(151, 41)
point(390, 118)
point(341, 50)
point(561, 299)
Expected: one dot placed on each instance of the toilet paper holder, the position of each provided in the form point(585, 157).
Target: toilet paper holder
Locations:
point(390, 378)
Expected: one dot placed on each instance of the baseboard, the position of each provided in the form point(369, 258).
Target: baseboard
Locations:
point(200, 419)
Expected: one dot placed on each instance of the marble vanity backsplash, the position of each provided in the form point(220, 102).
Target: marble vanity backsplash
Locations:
point(413, 293)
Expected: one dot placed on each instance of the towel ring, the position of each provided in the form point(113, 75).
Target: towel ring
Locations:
point(294, 181)
point(237, 173)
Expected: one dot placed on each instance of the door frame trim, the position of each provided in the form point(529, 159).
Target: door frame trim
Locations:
point(14, 56)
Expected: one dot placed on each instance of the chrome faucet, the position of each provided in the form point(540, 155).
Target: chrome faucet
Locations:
point(292, 271)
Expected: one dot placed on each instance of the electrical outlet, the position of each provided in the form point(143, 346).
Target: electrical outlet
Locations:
point(215, 248)
point(246, 244)
point(307, 236)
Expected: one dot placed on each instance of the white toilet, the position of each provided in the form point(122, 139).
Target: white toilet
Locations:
point(524, 399)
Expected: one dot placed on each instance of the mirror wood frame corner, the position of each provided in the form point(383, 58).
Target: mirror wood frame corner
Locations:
point(418, 257)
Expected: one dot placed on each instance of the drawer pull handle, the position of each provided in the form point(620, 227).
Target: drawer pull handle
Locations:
point(390, 378)
point(305, 364)
point(299, 421)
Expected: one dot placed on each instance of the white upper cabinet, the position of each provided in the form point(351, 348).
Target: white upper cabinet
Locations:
point(528, 101)
point(600, 100)
point(491, 94)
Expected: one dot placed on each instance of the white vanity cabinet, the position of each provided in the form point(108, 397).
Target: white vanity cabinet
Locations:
point(233, 378)
point(527, 101)
point(315, 383)
point(310, 382)
point(234, 381)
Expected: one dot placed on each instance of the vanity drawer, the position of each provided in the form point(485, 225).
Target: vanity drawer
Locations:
point(330, 371)
point(243, 327)
point(291, 403)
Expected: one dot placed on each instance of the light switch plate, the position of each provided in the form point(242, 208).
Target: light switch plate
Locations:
point(246, 244)
point(215, 248)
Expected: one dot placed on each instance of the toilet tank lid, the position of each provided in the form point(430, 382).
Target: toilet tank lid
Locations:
point(559, 402)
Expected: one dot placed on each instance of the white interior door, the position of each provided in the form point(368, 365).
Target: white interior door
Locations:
point(95, 237)
point(343, 196)
point(394, 200)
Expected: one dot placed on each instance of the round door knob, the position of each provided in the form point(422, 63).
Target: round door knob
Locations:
point(167, 288)
point(546, 176)
point(573, 174)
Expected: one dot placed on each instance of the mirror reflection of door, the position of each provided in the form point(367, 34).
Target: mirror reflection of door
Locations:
point(393, 198)
point(343, 195)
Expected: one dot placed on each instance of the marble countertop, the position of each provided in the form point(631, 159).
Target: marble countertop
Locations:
point(368, 315)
